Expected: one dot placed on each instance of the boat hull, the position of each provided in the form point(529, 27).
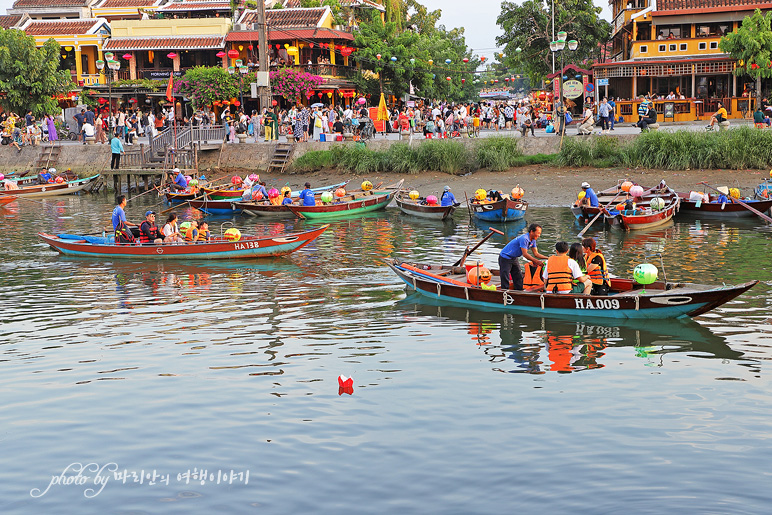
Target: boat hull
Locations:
point(350, 205)
point(216, 207)
point(257, 209)
point(665, 304)
point(411, 207)
point(221, 249)
point(51, 190)
point(728, 210)
point(502, 211)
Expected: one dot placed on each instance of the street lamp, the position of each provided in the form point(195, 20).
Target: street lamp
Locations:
point(114, 66)
point(559, 46)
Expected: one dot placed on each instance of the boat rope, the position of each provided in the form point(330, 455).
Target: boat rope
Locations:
point(466, 292)
point(439, 286)
point(541, 299)
point(637, 302)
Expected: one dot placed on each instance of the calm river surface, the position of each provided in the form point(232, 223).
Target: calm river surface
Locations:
point(171, 367)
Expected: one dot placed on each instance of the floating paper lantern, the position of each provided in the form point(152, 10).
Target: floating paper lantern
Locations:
point(517, 192)
point(253, 177)
point(431, 200)
point(626, 186)
point(414, 195)
point(273, 193)
point(657, 204)
point(480, 194)
point(478, 275)
point(236, 180)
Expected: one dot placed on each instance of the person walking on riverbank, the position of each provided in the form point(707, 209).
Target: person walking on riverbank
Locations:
point(520, 246)
point(116, 147)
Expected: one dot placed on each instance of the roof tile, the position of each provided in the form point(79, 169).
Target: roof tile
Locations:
point(58, 27)
point(124, 3)
point(289, 34)
point(49, 3)
point(196, 6)
point(8, 21)
point(278, 18)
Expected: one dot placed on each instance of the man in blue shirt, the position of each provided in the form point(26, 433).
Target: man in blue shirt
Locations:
point(589, 193)
point(119, 215)
point(116, 147)
point(307, 196)
point(180, 182)
point(508, 257)
point(447, 198)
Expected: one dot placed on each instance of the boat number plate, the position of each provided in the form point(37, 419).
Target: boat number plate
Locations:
point(246, 245)
point(597, 303)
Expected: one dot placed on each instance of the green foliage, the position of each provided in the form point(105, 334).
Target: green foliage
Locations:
point(313, 161)
point(497, 154)
point(30, 76)
point(203, 85)
point(528, 27)
point(751, 43)
point(742, 148)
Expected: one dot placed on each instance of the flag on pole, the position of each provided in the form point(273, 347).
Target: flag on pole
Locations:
point(169, 95)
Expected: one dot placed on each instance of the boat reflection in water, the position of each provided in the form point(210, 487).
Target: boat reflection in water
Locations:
point(539, 345)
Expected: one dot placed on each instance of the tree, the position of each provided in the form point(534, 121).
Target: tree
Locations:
point(751, 45)
point(293, 84)
point(528, 27)
point(30, 77)
point(203, 85)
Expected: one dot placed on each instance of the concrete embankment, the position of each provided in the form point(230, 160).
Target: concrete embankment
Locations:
point(90, 159)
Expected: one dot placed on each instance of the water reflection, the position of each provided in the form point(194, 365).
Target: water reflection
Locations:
point(522, 344)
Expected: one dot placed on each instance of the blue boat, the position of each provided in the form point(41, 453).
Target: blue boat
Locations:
point(504, 210)
point(764, 190)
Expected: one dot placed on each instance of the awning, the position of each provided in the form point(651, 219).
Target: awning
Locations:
point(166, 43)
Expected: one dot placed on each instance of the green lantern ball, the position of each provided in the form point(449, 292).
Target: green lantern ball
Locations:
point(657, 204)
point(645, 273)
point(327, 197)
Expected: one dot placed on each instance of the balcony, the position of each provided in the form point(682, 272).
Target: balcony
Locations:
point(324, 70)
point(85, 79)
point(622, 19)
point(676, 48)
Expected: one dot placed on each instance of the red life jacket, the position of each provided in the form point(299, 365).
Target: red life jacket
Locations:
point(146, 228)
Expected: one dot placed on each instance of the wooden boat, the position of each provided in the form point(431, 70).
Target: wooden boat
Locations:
point(504, 210)
point(415, 208)
point(51, 189)
point(215, 207)
point(265, 208)
point(7, 199)
point(644, 217)
point(249, 247)
point(724, 210)
point(763, 191)
point(627, 299)
point(616, 195)
point(178, 198)
point(350, 205)
point(223, 194)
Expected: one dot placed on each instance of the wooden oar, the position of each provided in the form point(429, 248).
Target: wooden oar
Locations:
point(191, 200)
point(743, 204)
point(469, 251)
point(598, 215)
point(154, 188)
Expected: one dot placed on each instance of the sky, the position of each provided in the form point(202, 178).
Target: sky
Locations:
point(478, 17)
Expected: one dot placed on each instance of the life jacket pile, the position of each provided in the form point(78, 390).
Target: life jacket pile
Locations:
point(532, 277)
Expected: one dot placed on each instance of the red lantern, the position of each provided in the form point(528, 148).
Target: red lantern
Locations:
point(346, 51)
point(447, 78)
point(171, 55)
point(506, 79)
point(378, 56)
point(251, 47)
point(278, 46)
point(483, 58)
point(274, 103)
point(310, 45)
point(465, 59)
point(319, 94)
point(463, 81)
point(237, 103)
point(233, 54)
point(127, 56)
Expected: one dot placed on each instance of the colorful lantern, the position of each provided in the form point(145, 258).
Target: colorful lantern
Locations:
point(326, 197)
point(414, 195)
point(517, 192)
point(636, 191)
point(232, 234)
point(273, 193)
point(626, 186)
point(465, 59)
point(645, 273)
point(393, 59)
point(367, 186)
point(340, 192)
point(448, 61)
point(236, 180)
point(431, 62)
point(234, 54)
point(431, 200)
point(480, 194)
point(127, 56)
point(378, 56)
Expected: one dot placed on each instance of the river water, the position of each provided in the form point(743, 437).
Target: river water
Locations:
point(152, 370)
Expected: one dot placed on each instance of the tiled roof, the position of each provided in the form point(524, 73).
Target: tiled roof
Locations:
point(289, 34)
point(733, 5)
point(165, 43)
point(49, 3)
point(363, 3)
point(196, 6)
point(106, 4)
point(278, 18)
point(9, 21)
point(59, 27)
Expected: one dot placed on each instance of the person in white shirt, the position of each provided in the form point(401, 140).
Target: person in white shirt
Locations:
point(671, 96)
point(566, 272)
point(171, 231)
point(588, 121)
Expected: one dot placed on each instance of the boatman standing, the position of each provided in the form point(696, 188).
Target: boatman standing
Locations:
point(520, 246)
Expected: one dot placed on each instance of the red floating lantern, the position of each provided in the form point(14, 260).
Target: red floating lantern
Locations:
point(233, 54)
point(237, 103)
point(220, 54)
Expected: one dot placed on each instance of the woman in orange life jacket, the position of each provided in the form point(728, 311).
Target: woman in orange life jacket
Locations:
point(582, 285)
point(149, 231)
point(601, 284)
point(560, 272)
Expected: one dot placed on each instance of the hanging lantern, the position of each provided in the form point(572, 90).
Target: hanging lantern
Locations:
point(237, 103)
point(234, 54)
point(346, 51)
point(310, 45)
point(329, 94)
point(506, 79)
point(518, 50)
point(412, 60)
point(251, 47)
point(219, 54)
point(127, 56)
point(378, 56)
point(465, 59)
point(274, 103)
point(483, 58)
point(286, 45)
point(431, 63)
point(278, 46)
point(68, 48)
point(501, 55)
point(448, 61)
point(393, 59)
point(319, 94)
point(463, 81)
point(171, 55)
point(241, 47)
point(547, 82)
point(447, 79)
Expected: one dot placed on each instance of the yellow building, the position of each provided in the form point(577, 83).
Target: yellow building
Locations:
point(671, 48)
point(112, 10)
point(81, 40)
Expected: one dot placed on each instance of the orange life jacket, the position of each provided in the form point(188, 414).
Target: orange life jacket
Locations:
point(559, 275)
point(599, 274)
point(532, 277)
point(189, 236)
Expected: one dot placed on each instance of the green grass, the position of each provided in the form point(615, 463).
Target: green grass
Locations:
point(497, 154)
point(741, 148)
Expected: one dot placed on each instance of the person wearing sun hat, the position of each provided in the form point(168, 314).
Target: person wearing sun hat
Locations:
point(447, 198)
point(590, 194)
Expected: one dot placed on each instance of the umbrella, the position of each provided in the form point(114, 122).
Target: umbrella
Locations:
point(383, 112)
point(318, 104)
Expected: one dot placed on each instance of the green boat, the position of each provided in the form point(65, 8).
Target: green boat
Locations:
point(350, 205)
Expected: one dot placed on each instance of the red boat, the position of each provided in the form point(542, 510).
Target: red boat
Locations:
point(7, 199)
point(656, 211)
point(219, 248)
point(730, 209)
